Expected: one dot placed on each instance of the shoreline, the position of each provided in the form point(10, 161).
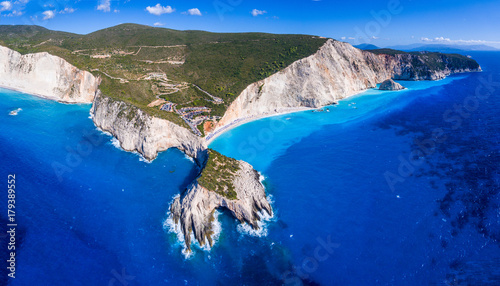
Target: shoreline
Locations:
point(42, 96)
point(289, 110)
point(241, 121)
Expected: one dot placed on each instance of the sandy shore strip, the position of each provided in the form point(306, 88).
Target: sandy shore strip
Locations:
point(53, 98)
point(240, 121)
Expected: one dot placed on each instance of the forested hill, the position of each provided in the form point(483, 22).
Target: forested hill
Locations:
point(131, 60)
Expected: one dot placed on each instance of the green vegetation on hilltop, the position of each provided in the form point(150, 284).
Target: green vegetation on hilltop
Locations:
point(222, 64)
point(218, 174)
point(387, 52)
point(225, 69)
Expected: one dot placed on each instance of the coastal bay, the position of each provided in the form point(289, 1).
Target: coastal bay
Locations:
point(130, 209)
point(300, 124)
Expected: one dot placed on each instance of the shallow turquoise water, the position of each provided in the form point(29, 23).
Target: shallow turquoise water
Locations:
point(262, 141)
point(89, 213)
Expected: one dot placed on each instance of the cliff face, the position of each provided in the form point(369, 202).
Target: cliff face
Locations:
point(336, 71)
point(138, 131)
point(194, 209)
point(47, 76)
point(425, 66)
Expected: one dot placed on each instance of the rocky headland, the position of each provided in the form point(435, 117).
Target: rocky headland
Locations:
point(225, 183)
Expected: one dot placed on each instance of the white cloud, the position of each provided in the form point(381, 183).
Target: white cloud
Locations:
point(15, 13)
point(159, 10)
point(194, 12)
point(5, 6)
point(437, 39)
point(104, 5)
point(116, 11)
point(158, 24)
point(67, 10)
point(343, 38)
point(49, 14)
point(256, 12)
point(448, 40)
point(444, 40)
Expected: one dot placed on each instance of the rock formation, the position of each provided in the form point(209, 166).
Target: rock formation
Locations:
point(194, 209)
point(336, 71)
point(410, 66)
point(47, 76)
point(389, 84)
point(141, 132)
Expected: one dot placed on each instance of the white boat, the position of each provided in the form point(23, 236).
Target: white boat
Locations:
point(15, 112)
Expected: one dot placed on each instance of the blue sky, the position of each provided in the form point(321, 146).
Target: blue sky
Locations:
point(382, 23)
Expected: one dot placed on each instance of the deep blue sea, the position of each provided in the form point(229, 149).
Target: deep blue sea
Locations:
point(387, 188)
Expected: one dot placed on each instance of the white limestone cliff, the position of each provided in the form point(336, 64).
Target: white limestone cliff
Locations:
point(336, 71)
point(47, 76)
point(141, 132)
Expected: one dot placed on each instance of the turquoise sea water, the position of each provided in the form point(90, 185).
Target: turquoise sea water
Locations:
point(365, 194)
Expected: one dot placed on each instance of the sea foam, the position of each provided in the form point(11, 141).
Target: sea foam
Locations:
point(171, 227)
point(116, 143)
point(265, 220)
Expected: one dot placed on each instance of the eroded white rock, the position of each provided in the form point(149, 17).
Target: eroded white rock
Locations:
point(47, 76)
point(141, 132)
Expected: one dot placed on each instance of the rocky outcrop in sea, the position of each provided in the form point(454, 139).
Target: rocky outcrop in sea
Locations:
point(194, 209)
point(389, 84)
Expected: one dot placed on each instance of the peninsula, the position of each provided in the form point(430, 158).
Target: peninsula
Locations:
point(156, 88)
